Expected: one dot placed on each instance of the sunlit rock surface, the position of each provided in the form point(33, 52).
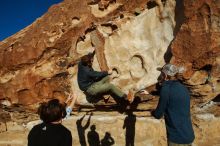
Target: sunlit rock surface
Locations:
point(40, 62)
point(132, 37)
point(140, 131)
point(197, 47)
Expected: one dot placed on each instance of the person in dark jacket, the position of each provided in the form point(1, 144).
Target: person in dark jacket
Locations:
point(51, 132)
point(174, 104)
point(97, 82)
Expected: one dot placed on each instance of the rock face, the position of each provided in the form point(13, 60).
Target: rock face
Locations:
point(132, 37)
point(39, 62)
point(197, 47)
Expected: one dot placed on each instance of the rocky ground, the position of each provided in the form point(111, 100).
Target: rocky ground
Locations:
point(17, 121)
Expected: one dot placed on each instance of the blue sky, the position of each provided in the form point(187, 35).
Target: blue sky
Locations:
point(17, 14)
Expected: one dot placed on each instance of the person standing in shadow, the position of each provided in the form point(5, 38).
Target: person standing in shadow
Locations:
point(93, 137)
point(81, 129)
point(107, 140)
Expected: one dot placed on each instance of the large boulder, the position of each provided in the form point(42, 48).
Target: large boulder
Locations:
point(40, 62)
point(132, 37)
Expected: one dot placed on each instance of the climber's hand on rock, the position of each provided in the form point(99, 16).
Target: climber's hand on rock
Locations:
point(110, 71)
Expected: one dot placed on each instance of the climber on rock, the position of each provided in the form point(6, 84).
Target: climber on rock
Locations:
point(94, 83)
